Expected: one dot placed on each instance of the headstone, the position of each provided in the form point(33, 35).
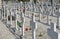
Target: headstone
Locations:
point(40, 15)
point(11, 16)
point(4, 12)
point(0, 4)
point(23, 24)
point(52, 3)
point(58, 19)
point(48, 18)
point(16, 20)
point(53, 26)
point(7, 15)
point(34, 27)
point(58, 35)
point(52, 32)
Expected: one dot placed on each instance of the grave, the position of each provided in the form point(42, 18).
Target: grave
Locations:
point(52, 32)
point(34, 27)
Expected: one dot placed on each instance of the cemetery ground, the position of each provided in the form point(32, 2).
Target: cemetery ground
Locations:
point(41, 31)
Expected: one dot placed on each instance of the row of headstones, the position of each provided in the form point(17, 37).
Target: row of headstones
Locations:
point(23, 20)
point(33, 23)
point(52, 32)
point(10, 12)
point(23, 23)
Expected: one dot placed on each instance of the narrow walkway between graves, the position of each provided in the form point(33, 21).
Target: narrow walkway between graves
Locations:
point(5, 33)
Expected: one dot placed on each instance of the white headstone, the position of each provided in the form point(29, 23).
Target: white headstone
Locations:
point(58, 35)
point(58, 19)
point(52, 31)
point(0, 4)
point(59, 9)
point(23, 23)
point(16, 20)
point(11, 16)
point(48, 18)
point(53, 26)
point(7, 15)
point(40, 16)
point(2, 13)
point(34, 27)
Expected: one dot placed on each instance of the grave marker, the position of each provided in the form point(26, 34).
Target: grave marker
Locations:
point(58, 19)
point(48, 18)
point(52, 31)
point(4, 11)
point(16, 20)
point(7, 15)
point(34, 27)
point(23, 24)
point(11, 16)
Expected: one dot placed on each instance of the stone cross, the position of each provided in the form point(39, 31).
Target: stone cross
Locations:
point(34, 27)
point(23, 24)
